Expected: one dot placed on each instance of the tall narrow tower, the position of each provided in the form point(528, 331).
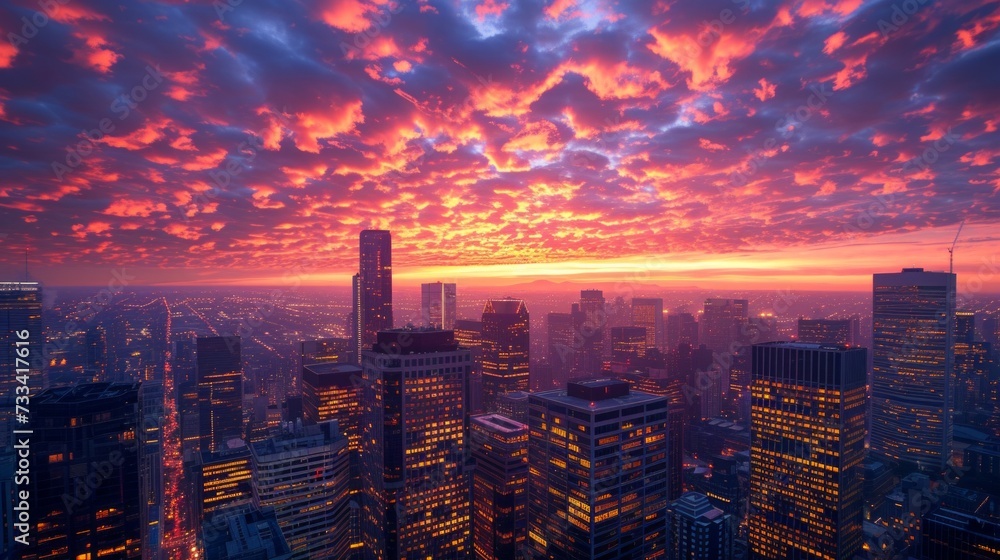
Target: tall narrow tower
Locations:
point(374, 293)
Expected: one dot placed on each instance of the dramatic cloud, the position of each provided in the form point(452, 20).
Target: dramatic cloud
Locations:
point(246, 137)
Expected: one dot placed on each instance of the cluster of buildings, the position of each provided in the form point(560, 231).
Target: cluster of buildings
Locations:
point(661, 435)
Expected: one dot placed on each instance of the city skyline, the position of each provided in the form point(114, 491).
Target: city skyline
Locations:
point(573, 140)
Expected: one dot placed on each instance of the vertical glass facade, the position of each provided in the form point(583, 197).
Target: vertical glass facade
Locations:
point(499, 487)
point(912, 360)
point(506, 349)
point(220, 391)
point(806, 449)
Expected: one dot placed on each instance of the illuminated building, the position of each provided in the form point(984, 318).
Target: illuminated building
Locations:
point(326, 350)
point(681, 328)
point(151, 466)
point(85, 474)
point(499, 486)
point(806, 449)
point(437, 305)
point(722, 322)
point(332, 391)
point(416, 488)
point(304, 474)
point(96, 342)
point(223, 480)
point(648, 314)
point(245, 535)
point(506, 348)
point(469, 335)
point(590, 324)
point(20, 310)
point(562, 345)
point(829, 331)
point(373, 287)
point(672, 388)
point(627, 344)
point(973, 361)
point(220, 391)
point(597, 460)
point(912, 361)
point(699, 530)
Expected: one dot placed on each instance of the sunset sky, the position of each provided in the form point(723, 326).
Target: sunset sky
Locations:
point(718, 143)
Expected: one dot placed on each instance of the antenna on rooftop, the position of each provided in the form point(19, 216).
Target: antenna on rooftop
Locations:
point(951, 252)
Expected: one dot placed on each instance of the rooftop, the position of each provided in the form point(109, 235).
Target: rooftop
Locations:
point(499, 423)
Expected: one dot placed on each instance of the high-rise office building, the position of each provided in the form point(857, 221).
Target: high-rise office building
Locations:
point(416, 488)
point(506, 349)
point(648, 313)
point(948, 533)
point(304, 474)
point(699, 530)
point(20, 313)
point(562, 345)
point(151, 467)
point(222, 481)
point(332, 391)
point(85, 475)
point(499, 487)
point(829, 331)
point(806, 449)
point(590, 325)
point(912, 362)
point(597, 478)
point(514, 406)
point(373, 287)
point(628, 344)
point(220, 391)
point(722, 322)
point(682, 328)
point(437, 305)
point(973, 362)
point(469, 335)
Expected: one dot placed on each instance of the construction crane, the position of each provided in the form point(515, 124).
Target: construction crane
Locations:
point(951, 252)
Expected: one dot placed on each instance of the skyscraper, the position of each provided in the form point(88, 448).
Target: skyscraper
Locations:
point(222, 481)
point(648, 313)
point(499, 487)
point(20, 312)
point(597, 479)
point(912, 362)
point(437, 305)
point(591, 324)
point(304, 474)
point(681, 328)
point(151, 466)
point(628, 344)
point(721, 323)
point(326, 350)
point(972, 366)
point(416, 488)
point(506, 348)
point(373, 302)
point(332, 391)
point(699, 530)
point(85, 477)
point(562, 345)
point(245, 535)
point(806, 449)
point(220, 391)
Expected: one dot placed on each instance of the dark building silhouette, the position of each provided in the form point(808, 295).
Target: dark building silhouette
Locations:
point(699, 530)
point(681, 328)
point(829, 331)
point(85, 475)
point(220, 391)
point(373, 293)
point(648, 314)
